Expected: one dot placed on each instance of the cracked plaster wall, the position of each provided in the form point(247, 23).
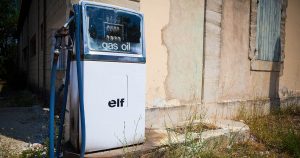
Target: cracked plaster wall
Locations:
point(174, 37)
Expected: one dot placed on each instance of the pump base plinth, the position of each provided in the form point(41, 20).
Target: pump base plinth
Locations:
point(154, 139)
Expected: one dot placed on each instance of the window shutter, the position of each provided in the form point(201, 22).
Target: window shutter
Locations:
point(268, 41)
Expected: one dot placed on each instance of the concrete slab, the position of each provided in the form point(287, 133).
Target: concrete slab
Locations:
point(227, 133)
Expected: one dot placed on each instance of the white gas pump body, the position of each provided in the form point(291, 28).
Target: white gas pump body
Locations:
point(113, 85)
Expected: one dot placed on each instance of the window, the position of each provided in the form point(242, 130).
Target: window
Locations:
point(268, 43)
point(25, 55)
point(42, 37)
point(33, 46)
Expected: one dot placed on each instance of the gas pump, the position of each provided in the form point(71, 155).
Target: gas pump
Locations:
point(105, 78)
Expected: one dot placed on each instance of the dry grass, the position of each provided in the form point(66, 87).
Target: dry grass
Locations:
point(273, 135)
point(195, 128)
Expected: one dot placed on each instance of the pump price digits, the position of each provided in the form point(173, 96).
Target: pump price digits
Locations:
point(124, 47)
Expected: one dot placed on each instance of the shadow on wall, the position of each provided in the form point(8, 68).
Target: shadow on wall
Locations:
point(274, 79)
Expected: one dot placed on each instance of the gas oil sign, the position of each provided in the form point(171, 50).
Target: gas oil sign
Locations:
point(116, 46)
point(114, 32)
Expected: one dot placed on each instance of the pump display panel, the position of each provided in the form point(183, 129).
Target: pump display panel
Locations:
point(113, 30)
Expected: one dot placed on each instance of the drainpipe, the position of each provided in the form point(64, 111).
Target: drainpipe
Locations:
point(44, 44)
point(38, 43)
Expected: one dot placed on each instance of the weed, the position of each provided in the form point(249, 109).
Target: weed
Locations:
point(40, 151)
point(129, 150)
point(291, 143)
point(276, 134)
point(33, 153)
point(185, 141)
point(278, 131)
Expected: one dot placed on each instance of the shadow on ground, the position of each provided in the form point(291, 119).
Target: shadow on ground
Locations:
point(28, 124)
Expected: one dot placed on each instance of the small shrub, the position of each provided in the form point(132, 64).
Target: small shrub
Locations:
point(278, 131)
point(291, 143)
point(33, 153)
point(190, 146)
point(40, 151)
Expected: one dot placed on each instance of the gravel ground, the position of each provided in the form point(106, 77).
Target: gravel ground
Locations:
point(22, 128)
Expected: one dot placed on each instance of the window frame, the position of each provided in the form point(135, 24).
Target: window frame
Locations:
point(258, 64)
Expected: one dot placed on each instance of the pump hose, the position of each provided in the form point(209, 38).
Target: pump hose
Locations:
point(64, 103)
point(80, 89)
point(52, 106)
point(79, 74)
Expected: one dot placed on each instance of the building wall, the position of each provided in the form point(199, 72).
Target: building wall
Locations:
point(56, 17)
point(289, 81)
point(33, 25)
point(198, 52)
point(40, 47)
point(155, 49)
point(212, 50)
point(28, 61)
point(235, 74)
point(33, 67)
point(132, 4)
point(239, 79)
point(174, 46)
point(23, 43)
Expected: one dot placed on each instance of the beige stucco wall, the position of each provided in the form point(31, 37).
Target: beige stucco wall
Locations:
point(290, 81)
point(132, 4)
point(237, 80)
point(212, 50)
point(174, 46)
point(156, 52)
point(235, 67)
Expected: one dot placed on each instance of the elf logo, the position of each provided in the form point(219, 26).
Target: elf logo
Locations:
point(116, 103)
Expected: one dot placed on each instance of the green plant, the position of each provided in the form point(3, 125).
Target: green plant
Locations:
point(186, 141)
point(40, 151)
point(279, 130)
point(130, 151)
point(275, 133)
point(33, 153)
point(8, 28)
point(291, 143)
point(255, 109)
